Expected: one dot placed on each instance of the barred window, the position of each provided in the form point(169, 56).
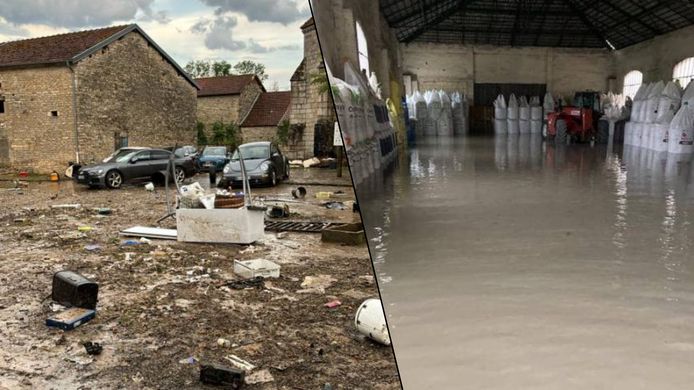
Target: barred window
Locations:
point(632, 82)
point(684, 71)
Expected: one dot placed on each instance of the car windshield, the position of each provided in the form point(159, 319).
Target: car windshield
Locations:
point(215, 151)
point(252, 152)
point(123, 157)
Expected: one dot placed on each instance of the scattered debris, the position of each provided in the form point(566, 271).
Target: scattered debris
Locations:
point(70, 318)
point(299, 192)
point(311, 162)
point(324, 194)
point(93, 348)
point(257, 282)
point(132, 242)
point(281, 235)
point(260, 376)
point(371, 321)
point(215, 374)
point(316, 284)
point(278, 211)
point(299, 226)
point(333, 304)
point(92, 247)
point(189, 360)
point(240, 363)
point(335, 205)
point(103, 211)
point(149, 187)
point(256, 268)
point(150, 232)
point(72, 289)
point(223, 342)
point(348, 234)
point(66, 206)
point(84, 229)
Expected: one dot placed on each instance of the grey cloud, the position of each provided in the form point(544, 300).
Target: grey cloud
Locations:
point(278, 11)
point(77, 13)
point(256, 47)
point(218, 33)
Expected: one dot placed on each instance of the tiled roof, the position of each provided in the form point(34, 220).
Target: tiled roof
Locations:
point(307, 23)
point(225, 85)
point(73, 47)
point(299, 72)
point(268, 110)
point(52, 49)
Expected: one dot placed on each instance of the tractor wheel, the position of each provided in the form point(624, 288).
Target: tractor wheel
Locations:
point(544, 131)
point(602, 136)
point(560, 138)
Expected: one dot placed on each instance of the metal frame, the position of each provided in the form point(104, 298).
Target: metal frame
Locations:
point(555, 23)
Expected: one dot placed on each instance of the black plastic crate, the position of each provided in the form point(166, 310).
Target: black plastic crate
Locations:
point(72, 289)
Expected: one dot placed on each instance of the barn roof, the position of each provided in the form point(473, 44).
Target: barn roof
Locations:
point(268, 110)
point(71, 48)
point(553, 23)
point(226, 85)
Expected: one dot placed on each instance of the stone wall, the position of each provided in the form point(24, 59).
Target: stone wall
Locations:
point(31, 137)
point(263, 133)
point(459, 67)
point(218, 108)
point(308, 105)
point(129, 89)
point(247, 99)
point(655, 58)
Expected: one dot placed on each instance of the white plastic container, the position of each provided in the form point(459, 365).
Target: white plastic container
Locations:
point(254, 268)
point(371, 321)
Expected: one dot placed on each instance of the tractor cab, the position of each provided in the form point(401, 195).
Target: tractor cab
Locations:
point(577, 122)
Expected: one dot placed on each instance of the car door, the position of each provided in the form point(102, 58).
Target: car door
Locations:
point(159, 161)
point(138, 166)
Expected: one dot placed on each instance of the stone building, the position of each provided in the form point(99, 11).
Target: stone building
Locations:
point(266, 116)
point(227, 98)
point(312, 113)
point(81, 95)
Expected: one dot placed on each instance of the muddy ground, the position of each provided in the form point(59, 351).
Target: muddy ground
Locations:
point(165, 302)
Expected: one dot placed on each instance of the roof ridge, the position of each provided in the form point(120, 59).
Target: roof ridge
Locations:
point(121, 26)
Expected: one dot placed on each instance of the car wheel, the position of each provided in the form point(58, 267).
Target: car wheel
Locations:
point(179, 174)
point(273, 178)
point(114, 179)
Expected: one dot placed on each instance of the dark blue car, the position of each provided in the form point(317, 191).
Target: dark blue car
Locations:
point(213, 157)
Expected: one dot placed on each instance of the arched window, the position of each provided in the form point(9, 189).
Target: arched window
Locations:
point(362, 50)
point(684, 71)
point(632, 82)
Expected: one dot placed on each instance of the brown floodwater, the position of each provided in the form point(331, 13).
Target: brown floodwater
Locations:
point(509, 263)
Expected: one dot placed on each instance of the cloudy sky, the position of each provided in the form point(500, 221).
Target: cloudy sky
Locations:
point(266, 31)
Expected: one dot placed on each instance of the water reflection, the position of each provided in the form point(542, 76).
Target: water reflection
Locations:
point(511, 260)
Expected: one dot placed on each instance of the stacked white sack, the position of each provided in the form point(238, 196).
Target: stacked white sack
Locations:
point(524, 116)
point(500, 115)
point(459, 113)
point(535, 115)
point(681, 138)
point(421, 113)
point(668, 105)
point(434, 108)
point(444, 125)
point(512, 115)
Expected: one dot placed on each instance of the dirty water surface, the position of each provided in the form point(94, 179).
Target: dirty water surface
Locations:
point(509, 263)
point(163, 307)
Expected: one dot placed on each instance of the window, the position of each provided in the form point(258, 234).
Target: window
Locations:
point(632, 82)
point(684, 72)
point(54, 113)
point(160, 155)
point(121, 141)
point(362, 50)
point(2, 106)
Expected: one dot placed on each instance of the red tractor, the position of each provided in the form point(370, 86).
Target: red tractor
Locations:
point(573, 122)
point(577, 122)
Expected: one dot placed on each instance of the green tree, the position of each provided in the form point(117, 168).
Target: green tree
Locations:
point(217, 133)
point(221, 68)
point(232, 135)
point(251, 67)
point(198, 68)
point(201, 136)
point(283, 132)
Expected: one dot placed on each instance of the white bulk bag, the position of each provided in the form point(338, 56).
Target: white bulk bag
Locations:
point(681, 137)
point(524, 126)
point(669, 102)
point(661, 135)
point(535, 108)
point(512, 112)
point(500, 126)
point(420, 106)
point(653, 100)
point(513, 126)
point(536, 126)
point(548, 105)
point(523, 109)
point(643, 106)
point(500, 109)
point(444, 124)
point(435, 110)
point(688, 94)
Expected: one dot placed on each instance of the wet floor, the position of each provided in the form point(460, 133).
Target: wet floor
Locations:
point(509, 263)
